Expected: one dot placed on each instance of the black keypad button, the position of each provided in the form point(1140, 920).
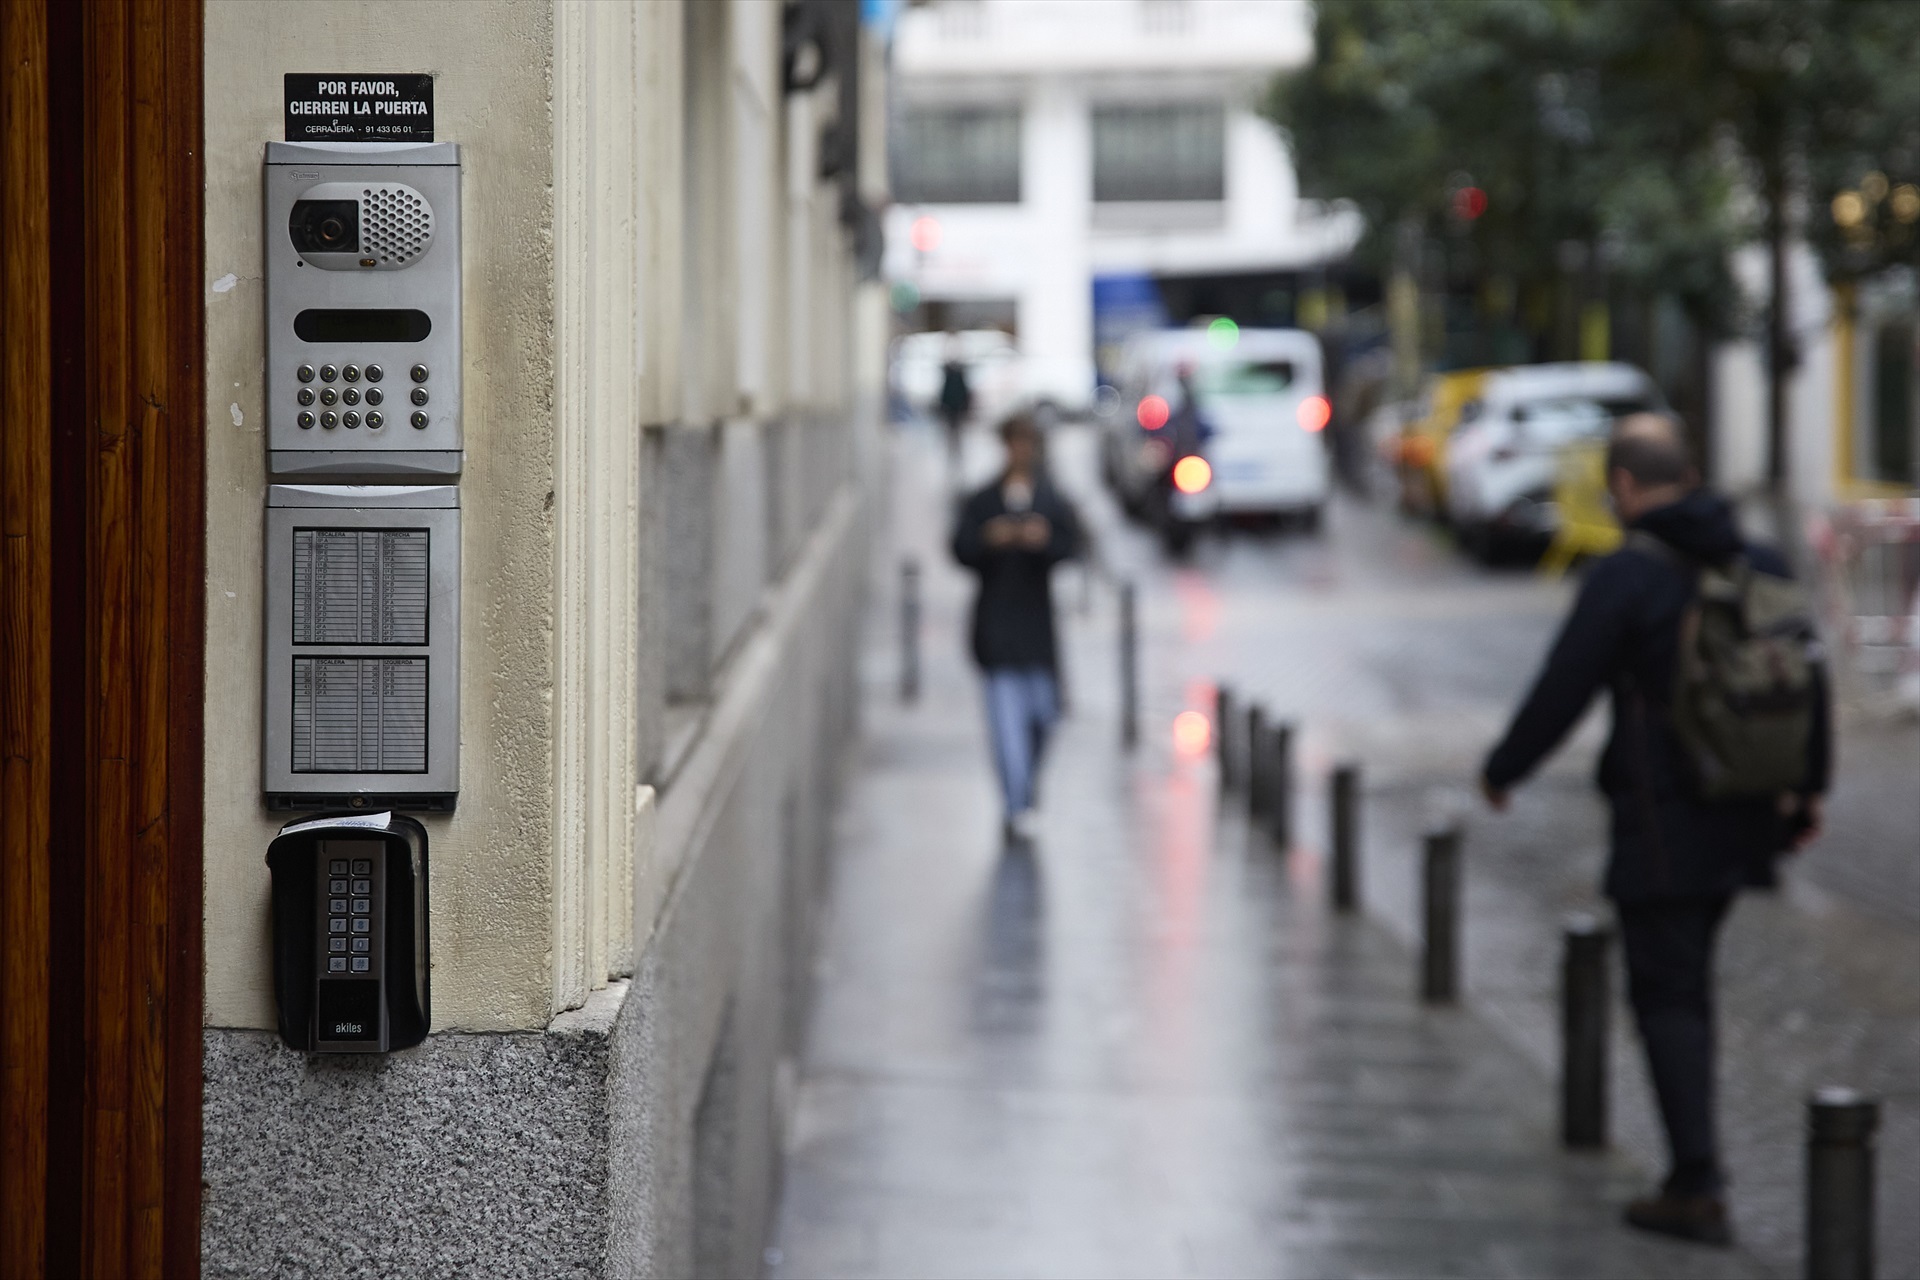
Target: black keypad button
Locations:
point(306, 421)
point(336, 926)
point(338, 866)
point(329, 396)
point(363, 886)
point(352, 419)
point(336, 964)
point(375, 420)
point(418, 373)
point(336, 944)
point(363, 866)
point(305, 396)
point(351, 373)
point(350, 396)
point(328, 420)
point(419, 420)
point(328, 373)
point(375, 373)
point(360, 944)
point(337, 905)
point(304, 373)
point(376, 396)
point(363, 925)
point(336, 886)
point(362, 964)
point(419, 395)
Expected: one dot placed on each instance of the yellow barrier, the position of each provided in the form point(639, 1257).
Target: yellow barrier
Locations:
point(1587, 526)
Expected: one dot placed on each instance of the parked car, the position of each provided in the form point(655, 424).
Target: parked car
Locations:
point(1419, 449)
point(1263, 410)
point(1503, 459)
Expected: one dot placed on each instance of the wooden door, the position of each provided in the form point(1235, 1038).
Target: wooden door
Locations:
point(101, 582)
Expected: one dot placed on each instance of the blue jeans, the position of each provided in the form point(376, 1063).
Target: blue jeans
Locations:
point(1022, 704)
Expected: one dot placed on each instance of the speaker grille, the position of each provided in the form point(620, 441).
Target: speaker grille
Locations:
point(396, 223)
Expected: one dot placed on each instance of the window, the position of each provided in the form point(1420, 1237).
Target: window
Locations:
point(1156, 153)
point(956, 155)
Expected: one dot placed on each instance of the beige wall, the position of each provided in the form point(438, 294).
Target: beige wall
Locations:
point(580, 278)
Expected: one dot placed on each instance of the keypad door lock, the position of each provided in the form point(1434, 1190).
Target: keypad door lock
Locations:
point(351, 964)
point(363, 309)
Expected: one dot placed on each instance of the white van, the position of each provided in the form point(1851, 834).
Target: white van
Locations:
point(1263, 410)
point(1502, 459)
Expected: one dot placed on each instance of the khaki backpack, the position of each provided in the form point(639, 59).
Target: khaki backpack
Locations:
point(1743, 678)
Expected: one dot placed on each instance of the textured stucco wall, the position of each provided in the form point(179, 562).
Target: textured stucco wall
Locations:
point(492, 63)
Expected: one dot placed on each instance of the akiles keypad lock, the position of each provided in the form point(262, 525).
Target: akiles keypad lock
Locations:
point(351, 964)
point(363, 309)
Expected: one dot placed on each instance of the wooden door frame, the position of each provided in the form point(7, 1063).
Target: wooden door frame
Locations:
point(102, 640)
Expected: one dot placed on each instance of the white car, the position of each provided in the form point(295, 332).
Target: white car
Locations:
point(1502, 459)
point(1263, 409)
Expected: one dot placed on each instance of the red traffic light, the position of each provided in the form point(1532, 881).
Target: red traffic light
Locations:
point(1469, 203)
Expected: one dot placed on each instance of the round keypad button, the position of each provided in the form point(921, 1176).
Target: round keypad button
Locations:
point(375, 373)
point(328, 395)
point(375, 420)
point(328, 373)
point(351, 373)
point(419, 373)
point(305, 396)
point(375, 395)
point(350, 396)
point(419, 421)
point(351, 421)
point(328, 421)
point(419, 395)
point(304, 373)
point(306, 421)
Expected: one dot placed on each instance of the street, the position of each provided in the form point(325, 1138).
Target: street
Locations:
point(1147, 1047)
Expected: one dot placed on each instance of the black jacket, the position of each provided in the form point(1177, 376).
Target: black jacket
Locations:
point(1013, 614)
point(1624, 635)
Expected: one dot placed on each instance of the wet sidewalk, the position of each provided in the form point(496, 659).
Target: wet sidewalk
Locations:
point(1145, 1047)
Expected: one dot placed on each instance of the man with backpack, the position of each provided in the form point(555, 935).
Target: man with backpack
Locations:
point(1718, 759)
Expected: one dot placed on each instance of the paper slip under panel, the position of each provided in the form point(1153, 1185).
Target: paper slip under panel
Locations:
point(359, 715)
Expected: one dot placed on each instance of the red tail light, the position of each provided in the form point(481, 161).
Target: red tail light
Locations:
point(1314, 413)
point(1152, 413)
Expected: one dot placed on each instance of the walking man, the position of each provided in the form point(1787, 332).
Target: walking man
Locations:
point(1718, 759)
point(1011, 533)
point(956, 398)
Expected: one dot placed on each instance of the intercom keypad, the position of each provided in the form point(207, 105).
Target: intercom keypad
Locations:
point(348, 977)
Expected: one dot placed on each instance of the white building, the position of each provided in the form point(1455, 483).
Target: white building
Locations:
point(1039, 145)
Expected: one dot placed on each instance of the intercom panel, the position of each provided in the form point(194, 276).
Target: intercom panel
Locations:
point(362, 679)
point(351, 964)
point(363, 309)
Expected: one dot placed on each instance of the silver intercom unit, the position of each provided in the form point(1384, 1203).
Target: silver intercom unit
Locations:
point(363, 309)
point(362, 687)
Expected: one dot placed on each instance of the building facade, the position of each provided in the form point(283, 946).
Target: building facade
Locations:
point(1046, 148)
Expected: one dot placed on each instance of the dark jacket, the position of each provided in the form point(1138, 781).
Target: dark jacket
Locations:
point(1624, 635)
point(956, 395)
point(1013, 614)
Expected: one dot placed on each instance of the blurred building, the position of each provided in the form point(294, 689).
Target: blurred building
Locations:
point(1060, 166)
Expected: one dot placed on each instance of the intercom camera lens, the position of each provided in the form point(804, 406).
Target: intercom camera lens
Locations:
point(328, 373)
point(325, 226)
point(305, 396)
point(350, 396)
point(352, 420)
point(304, 373)
point(419, 421)
point(306, 422)
point(328, 421)
point(375, 421)
point(351, 373)
point(419, 373)
point(375, 395)
point(375, 373)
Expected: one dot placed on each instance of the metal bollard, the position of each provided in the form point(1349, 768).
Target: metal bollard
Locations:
point(1344, 797)
point(909, 630)
point(1129, 669)
point(1280, 785)
point(1256, 762)
point(1585, 1002)
point(1223, 736)
point(1840, 1128)
point(1440, 957)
